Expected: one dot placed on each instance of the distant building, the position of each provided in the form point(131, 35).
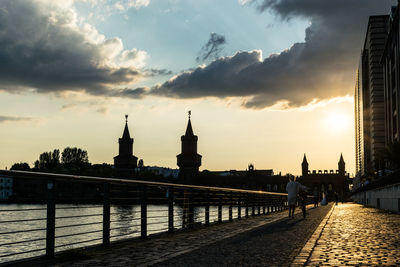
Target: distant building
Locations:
point(125, 162)
point(162, 171)
point(391, 73)
point(188, 161)
point(369, 99)
point(6, 187)
point(328, 181)
point(250, 170)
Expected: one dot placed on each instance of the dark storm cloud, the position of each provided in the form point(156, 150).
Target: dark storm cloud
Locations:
point(13, 118)
point(43, 49)
point(212, 49)
point(321, 67)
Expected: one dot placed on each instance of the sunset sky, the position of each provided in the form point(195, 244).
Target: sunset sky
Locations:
point(266, 80)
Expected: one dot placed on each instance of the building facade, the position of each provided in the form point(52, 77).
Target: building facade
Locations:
point(369, 99)
point(391, 72)
point(6, 187)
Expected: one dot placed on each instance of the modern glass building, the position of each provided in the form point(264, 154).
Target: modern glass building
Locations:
point(369, 99)
point(391, 72)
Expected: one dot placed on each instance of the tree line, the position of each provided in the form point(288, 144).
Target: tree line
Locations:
point(71, 160)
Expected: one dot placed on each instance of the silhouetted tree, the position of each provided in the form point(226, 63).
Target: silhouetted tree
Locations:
point(22, 166)
point(48, 160)
point(75, 156)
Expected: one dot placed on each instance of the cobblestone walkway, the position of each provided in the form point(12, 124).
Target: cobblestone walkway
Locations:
point(253, 241)
point(274, 244)
point(358, 236)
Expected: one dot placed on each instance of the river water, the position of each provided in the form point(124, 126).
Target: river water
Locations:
point(125, 223)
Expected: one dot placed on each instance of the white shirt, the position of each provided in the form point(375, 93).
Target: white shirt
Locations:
point(292, 188)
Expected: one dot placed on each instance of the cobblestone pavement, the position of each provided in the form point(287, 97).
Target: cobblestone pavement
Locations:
point(358, 236)
point(258, 240)
point(270, 245)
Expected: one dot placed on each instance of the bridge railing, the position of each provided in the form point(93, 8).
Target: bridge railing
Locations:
point(79, 211)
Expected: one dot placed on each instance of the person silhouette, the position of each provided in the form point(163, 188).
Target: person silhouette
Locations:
point(292, 188)
point(324, 200)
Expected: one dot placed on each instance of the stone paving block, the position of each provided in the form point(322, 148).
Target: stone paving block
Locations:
point(358, 236)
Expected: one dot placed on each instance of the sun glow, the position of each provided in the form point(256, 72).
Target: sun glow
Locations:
point(337, 122)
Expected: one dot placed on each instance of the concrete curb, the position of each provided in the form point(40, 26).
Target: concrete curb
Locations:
point(305, 253)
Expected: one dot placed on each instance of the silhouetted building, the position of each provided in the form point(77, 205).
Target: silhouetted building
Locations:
point(250, 171)
point(250, 179)
point(329, 181)
point(164, 172)
point(391, 72)
point(6, 187)
point(125, 162)
point(369, 100)
point(188, 161)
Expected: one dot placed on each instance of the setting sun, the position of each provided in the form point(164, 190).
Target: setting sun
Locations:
point(337, 121)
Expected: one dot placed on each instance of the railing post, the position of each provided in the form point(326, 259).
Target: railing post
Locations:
point(230, 208)
point(247, 205)
point(253, 206)
point(143, 212)
point(258, 205)
point(170, 209)
point(51, 219)
point(220, 208)
point(106, 214)
point(263, 203)
point(239, 206)
point(207, 209)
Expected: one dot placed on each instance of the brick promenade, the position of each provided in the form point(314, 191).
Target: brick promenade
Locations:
point(357, 236)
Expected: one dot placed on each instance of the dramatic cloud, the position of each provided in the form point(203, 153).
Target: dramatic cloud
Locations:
point(322, 67)
point(212, 49)
point(13, 118)
point(46, 47)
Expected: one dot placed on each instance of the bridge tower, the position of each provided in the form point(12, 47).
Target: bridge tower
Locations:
point(304, 166)
point(125, 160)
point(188, 161)
point(341, 165)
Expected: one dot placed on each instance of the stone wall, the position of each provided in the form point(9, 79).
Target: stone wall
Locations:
point(386, 198)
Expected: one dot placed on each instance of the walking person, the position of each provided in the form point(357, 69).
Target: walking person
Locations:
point(324, 200)
point(292, 188)
point(336, 198)
point(303, 199)
point(316, 197)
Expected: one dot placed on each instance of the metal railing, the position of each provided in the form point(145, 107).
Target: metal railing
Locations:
point(81, 211)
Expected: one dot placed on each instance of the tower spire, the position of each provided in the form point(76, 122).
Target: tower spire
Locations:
point(304, 158)
point(189, 129)
point(126, 134)
point(304, 166)
point(188, 161)
point(342, 165)
point(341, 158)
point(125, 161)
